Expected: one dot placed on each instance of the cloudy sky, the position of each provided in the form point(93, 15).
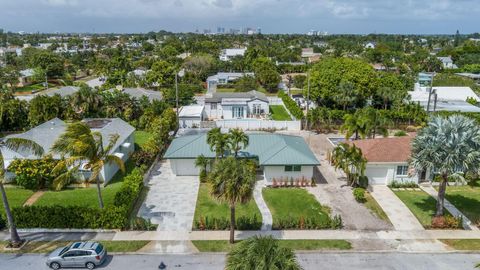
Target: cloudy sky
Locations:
point(273, 16)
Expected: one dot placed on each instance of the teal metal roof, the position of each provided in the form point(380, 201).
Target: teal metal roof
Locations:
point(270, 149)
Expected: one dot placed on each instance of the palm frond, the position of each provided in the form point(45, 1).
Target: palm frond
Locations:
point(21, 144)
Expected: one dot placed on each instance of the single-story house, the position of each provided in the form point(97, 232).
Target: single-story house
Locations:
point(47, 133)
point(139, 92)
point(280, 156)
point(447, 62)
point(191, 116)
point(222, 78)
point(445, 98)
point(252, 104)
point(26, 77)
point(370, 45)
point(387, 160)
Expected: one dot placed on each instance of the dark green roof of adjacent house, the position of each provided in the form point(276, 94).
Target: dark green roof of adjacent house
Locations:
point(270, 149)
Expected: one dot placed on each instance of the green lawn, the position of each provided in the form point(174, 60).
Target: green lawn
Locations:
point(46, 247)
point(225, 90)
point(16, 197)
point(32, 87)
point(374, 207)
point(462, 244)
point(207, 206)
point(422, 205)
point(467, 200)
point(285, 203)
point(141, 138)
point(279, 113)
point(224, 246)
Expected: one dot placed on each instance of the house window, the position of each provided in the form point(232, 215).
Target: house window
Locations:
point(402, 170)
point(293, 168)
point(257, 109)
point(213, 106)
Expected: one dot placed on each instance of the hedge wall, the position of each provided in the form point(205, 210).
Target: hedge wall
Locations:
point(291, 105)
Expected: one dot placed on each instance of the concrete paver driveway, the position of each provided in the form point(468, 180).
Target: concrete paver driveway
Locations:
point(171, 199)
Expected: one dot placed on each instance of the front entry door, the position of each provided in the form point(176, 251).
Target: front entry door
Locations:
point(237, 112)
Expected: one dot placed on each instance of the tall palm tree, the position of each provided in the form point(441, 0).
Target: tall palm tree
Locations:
point(353, 125)
point(217, 141)
point(374, 122)
point(85, 101)
point(79, 145)
point(233, 181)
point(14, 144)
point(346, 94)
point(261, 253)
point(349, 159)
point(447, 147)
point(237, 140)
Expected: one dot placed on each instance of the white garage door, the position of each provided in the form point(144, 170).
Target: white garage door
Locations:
point(377, 176)
point(184, 167)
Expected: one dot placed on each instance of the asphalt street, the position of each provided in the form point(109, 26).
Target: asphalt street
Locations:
point(309, 261)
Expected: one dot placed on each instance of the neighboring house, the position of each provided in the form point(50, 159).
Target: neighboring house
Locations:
point(139, 92)
point(63, 92)
point(139, 73)
point(222, 78)
point(228, 54)
point(26, 77)
point(184, 55)
point(387, 160)
point(309, 55)
point(47, 133)
point(447, 62)
point(191, 116)
point(280, 156)
point(370, 45)
point(238, 105)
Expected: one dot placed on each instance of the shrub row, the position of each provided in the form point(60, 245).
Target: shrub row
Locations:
point(79, 217)
point(244, 223)
point(76, 217)
point(396, 184)
point(291, 105)
point(303, 223)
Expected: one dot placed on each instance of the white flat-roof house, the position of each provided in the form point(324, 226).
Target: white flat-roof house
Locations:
point(370, 45)
point(222, 78)
point(227, 54)
point(447, 62)
point(252, 104)
point(47, 133)
point(191, 116)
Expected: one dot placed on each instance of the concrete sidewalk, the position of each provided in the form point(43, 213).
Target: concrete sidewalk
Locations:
point(224, 235)
point(467, 224)
point(398, 213)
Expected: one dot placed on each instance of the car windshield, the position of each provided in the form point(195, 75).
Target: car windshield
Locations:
point(64, 250)
point(99, 249)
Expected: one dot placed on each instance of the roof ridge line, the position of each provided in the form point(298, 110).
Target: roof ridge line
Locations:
point(198, 137)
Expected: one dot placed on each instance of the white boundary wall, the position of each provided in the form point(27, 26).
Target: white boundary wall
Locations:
point(254, 124)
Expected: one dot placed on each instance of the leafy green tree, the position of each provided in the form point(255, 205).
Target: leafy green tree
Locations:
point(391, 89)
point(299, 81)
point(447, 147)
point(43, 108)
point(261, 253)
point(14, 144)
point(86, 102)
point(9, 77)
point(232, 181)
point(374, 122)
point(353, 125)
point(237, 140)
point(245, 84)
point(161, 73)
point(266, 74)
point(80, 146)
point(346, 94)
point(326, 76)
point(199, 66)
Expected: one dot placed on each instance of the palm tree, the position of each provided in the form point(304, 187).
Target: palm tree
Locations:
point(79, 145)
point(202, 163)
point(374, 122)
point(85, 101)
point(237, 139)
point(261, 253)
point(353, 125)
point(349, 159)
point(447, 147)
point(217, 141)
point(233, 181)
point(346, 94)
point(14, 144)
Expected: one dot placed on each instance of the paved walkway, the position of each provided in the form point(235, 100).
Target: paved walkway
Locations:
point(399, 214)
point(171, 199)
point(467, 224)
point(267, 218)
point(35, 196)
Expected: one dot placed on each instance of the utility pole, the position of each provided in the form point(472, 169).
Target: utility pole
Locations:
point(181, 73)
point(308, 98)
point(430, 93)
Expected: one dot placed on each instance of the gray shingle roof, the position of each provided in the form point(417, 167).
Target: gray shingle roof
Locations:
point(270, 149)
point(217, 97)
point(138, 93)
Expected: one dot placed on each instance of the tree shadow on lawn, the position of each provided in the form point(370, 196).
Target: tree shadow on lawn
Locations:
point(468, 206)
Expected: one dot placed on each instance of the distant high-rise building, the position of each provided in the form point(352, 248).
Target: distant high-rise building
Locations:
point(259, 30)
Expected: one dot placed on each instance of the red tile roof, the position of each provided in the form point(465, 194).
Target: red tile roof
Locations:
point(392, 149)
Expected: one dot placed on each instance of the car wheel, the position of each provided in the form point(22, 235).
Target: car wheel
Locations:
point(90, 265)
point(55, 265)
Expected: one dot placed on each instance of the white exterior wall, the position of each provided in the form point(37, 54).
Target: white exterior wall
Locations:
point(109, 170)
point(255, 124)
point(263, 105)
point(184, 167)
point(277, 172)
point(189, 122)
point(385, 173)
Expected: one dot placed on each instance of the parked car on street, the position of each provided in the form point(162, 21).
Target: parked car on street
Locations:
point(79, 254)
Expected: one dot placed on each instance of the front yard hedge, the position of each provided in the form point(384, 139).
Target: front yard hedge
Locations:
point(305, 223)
point(243, 223)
